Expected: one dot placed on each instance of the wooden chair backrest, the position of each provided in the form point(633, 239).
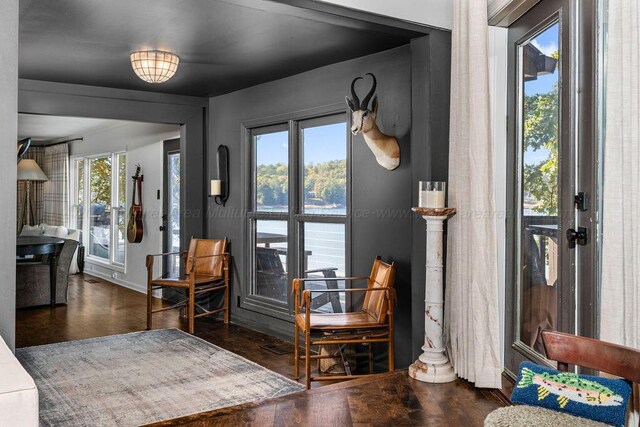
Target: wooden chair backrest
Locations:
point(383, 275)
point(212, 265)
point(268, 261)
point(590, 353)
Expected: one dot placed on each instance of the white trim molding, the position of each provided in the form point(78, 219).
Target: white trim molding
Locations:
point(503, 13)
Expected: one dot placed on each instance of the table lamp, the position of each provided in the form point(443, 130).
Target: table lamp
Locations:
point(28, 170)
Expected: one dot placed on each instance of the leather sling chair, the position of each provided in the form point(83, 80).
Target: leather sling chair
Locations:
point(372, 324)
point(206, 270)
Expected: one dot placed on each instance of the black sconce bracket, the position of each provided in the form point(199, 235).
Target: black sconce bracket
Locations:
point(222, 157)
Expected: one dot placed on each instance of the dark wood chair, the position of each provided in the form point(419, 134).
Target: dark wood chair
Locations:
point(206, 270)
point(568, 349)
point(372, 324)
point(271, 279)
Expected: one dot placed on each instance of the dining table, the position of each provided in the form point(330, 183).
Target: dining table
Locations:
point(28, 247)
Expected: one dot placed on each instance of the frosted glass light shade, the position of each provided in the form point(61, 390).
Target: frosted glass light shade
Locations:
point(154, 66)
point(28, 170)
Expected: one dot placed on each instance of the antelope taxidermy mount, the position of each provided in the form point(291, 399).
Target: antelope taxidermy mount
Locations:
point(363, 119)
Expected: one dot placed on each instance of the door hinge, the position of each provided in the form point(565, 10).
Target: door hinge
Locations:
point(581, 201)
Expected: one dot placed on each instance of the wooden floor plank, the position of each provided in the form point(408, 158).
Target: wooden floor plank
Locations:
point(98, 308)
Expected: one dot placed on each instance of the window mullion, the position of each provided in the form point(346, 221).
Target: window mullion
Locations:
point(86, 206)
point(294, 204)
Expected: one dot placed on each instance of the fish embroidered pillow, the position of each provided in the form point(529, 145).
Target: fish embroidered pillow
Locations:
point(596, 398)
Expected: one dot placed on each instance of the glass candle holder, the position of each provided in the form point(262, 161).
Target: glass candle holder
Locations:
point(432, 194)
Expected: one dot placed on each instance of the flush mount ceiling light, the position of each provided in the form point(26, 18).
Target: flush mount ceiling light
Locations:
point(154, 66)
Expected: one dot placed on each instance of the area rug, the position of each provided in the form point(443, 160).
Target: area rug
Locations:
point(143, 377)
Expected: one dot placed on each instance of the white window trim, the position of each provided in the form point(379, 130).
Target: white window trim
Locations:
point(111, 263)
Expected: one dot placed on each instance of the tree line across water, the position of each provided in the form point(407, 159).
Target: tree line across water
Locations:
point(325, 184)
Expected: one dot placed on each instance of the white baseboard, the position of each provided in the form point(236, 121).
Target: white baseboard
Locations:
point(124, 283)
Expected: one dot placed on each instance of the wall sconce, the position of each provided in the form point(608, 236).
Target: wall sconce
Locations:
point(220, 187)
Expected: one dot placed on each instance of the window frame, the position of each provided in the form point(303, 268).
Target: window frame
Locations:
point(295, 216)
point(111, 263)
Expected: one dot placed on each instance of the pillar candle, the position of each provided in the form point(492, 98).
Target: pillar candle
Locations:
point(216, 187)
point(432, 199)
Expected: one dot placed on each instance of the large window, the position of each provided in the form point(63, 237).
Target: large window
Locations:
point(98, 206)
point(298, 210)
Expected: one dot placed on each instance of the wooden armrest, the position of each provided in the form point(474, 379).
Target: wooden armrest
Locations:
point(167, 253)
point(150, 257)
point(321, 270)
point(225, 254)
point(349, 290)
point(295, 283)
point(306, 294)
point(315, 279)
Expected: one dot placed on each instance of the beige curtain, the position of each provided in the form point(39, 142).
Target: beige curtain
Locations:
point(50, 199)
point(37, 190)
point(620, 287)
point(472, 294)
point(56, 189)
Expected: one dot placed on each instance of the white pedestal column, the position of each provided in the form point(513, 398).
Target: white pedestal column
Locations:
point(433, 365)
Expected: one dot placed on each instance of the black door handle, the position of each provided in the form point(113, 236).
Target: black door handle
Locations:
point(163, 228)
point(577, 237)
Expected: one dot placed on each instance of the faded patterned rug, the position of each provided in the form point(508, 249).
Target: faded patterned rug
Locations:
point(143, 377)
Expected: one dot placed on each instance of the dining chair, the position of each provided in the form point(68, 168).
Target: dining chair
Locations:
point(373, 323)
point(206, 270)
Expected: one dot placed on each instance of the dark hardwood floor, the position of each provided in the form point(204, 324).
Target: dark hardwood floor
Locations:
point(99, 308)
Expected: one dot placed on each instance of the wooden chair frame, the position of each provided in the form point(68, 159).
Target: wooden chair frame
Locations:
point(303, 300)
point(192, 289)
point(614, 359)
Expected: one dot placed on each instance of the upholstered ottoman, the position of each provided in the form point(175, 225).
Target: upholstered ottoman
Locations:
point(532, 416)
point(18, 392)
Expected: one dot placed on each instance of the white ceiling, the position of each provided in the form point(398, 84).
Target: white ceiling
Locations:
point(436, 13)
point(51, 129)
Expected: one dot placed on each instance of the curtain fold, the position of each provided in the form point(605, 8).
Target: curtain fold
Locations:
point(472, 294)
point(56, 189)
point(50, 199)
point(620, 285)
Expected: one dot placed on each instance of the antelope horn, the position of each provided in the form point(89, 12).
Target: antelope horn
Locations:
point(365, 101)
point(356, 100)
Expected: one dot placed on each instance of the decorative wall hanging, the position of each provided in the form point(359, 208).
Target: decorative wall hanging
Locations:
point(363, 121)
point(135, 228)
point(220, 187)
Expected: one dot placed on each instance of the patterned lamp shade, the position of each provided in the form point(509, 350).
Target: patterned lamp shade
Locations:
point(154, 66)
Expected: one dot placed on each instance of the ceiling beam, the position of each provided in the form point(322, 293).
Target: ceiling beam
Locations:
point(338, 15)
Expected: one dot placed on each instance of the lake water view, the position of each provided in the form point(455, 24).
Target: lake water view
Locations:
point(324, 243)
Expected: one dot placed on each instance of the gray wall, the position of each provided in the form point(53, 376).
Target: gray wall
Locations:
point(383, 199)
point(8, 132)
point(430, 141)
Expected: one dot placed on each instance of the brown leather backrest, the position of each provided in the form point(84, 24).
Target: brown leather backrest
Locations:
point(382, 276)
point(211, 265)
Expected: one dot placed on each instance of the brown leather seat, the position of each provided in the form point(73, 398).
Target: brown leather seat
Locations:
point(206, 270)
point(183, 281)
point(330, 321)
point(372, 324)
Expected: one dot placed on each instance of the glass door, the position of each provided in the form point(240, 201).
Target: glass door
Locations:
point(547, 237)
point(171, 207)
